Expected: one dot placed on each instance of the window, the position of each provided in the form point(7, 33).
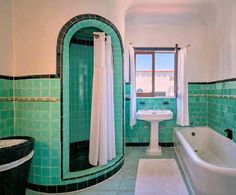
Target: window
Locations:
point(155, 72)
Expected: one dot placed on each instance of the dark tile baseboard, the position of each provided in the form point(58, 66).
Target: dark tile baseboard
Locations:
point(75, 186)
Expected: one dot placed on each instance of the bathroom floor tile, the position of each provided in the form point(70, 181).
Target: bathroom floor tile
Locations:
point(123, 183)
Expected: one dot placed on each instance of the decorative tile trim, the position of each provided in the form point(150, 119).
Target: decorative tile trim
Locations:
point(6, 99)
point(213, 96)
point(30, 99)
point(197, 95)
point(222, 96)
point(36, 99)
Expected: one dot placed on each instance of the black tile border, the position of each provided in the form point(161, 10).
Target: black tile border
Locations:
point(168, 144)
point(68, 25)
point(79, 144)
point(76, 186)
point(222, 81)
point(59, 70)
point(6, 77)
point(212, 82)
point(198, 83)
point(82, 42)
point(42, 76)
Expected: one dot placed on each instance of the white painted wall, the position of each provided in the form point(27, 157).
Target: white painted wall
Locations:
point(29, 30)
point(165, 31)
point(37, 24)
point(222, 41)
point(6, 38)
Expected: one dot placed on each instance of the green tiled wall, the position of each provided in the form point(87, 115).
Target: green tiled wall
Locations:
point(222, 110)
point(6, 109)
point(140, 133)
point(40, 120)
point(118, 90)
point(80, 82)
point(198, 106)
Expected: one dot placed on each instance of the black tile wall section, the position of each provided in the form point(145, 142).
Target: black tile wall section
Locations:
point(14, 181)
point(76, 186)
point(82, 42)
point(10, 184)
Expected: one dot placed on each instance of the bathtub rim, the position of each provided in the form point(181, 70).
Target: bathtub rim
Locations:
point(197, 159)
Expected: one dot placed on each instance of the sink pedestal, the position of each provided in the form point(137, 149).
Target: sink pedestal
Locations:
point(154, 117)
point(154, 148)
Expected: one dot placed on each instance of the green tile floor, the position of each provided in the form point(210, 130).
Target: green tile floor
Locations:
point(123, 183)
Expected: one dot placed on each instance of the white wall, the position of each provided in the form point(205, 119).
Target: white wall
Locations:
point(222, 41)
point(37, 24)
point(6, 38)
point(165, 31)
point(29, 30)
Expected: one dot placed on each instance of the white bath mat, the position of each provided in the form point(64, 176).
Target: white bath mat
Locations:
point(159, 177)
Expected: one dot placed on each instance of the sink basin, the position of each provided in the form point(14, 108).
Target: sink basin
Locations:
point(154, 117)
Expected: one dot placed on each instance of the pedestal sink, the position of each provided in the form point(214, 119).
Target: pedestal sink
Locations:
point(154, 117)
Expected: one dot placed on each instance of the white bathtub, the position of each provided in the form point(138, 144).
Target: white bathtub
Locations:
point(208, 159)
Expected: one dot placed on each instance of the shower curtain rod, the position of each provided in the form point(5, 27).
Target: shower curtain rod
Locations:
point(85, 33)
point(94, 35)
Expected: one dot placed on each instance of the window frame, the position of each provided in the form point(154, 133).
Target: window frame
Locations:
point(152, 52)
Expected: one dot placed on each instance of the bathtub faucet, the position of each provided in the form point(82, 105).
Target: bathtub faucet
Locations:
point(229, 133)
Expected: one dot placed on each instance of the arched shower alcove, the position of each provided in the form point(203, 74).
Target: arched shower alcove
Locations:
point(97, 174)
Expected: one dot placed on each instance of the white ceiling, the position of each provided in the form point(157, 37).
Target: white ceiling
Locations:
point(173, 8)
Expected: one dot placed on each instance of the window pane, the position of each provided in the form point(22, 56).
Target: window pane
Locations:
point(144, 73)
point(164, 74)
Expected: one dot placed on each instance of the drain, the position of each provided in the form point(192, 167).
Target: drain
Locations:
point(195, 150)
point(193, 133)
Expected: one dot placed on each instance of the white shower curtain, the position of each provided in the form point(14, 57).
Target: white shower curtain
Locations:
point(132, 87)
point(110, 100)
point(182, 96)
point(102, 141)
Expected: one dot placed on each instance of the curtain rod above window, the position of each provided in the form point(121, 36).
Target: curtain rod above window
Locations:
point(172, 49)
